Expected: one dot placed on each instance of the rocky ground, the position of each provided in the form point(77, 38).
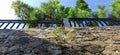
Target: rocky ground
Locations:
point(82, 41)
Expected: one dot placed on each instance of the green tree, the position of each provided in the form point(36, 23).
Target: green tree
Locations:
point(22, 10)
point(71, 13)
point(115, 9)
point(81, 10)
point(81, 4)
point(66, 11)
point(52, 10)
point(100, 12)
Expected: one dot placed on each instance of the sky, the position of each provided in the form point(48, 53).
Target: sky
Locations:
point(6, 12)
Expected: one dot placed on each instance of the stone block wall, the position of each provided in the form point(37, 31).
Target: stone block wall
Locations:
point(82, 41)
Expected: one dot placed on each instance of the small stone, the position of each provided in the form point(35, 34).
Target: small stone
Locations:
point(109, 41)
point(94, 48)
point(79, 36)
point(54, 50)
point(92, 28)
point(39, 50)
point(13, 48)
point(11, 37)
point(116, 38)
point(49, 29)
point(116, 42)
point(112, 49)
point(2, 40)
point(117, 52)
point(89, 38)
point(108, 28)
point(3, 49)
point(27, 54)
point(95, 35)
point(22, 41)
point(3, 35)
point(17, 52)
point(85, 39)
point(34, 44)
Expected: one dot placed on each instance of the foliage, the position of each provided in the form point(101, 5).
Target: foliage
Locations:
point(115, 9)
point(83, 13)
point(100, 12)
point(52, 10)
point(81, 4)
point(81, 10)
point(87, 53)
point(71, 12)
point(22, 10)
point(66, 12)
point(59, 33)
point(69, 34)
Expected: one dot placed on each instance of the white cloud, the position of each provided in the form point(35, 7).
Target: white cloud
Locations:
point(6, 12)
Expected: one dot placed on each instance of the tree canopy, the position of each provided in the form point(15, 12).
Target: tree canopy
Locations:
point(81, 10)
point(100, 12)
point(81, 4)
point(22, 10)
point(115, 9)
point(52, 10)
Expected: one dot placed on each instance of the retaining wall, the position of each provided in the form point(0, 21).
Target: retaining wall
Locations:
point(81, 41)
